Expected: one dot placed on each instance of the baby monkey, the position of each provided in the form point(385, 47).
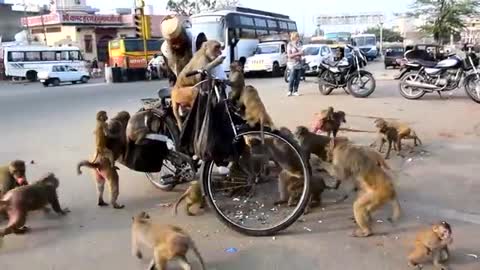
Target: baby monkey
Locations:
point(194, 196)
point(432, 244)
point(168, 242)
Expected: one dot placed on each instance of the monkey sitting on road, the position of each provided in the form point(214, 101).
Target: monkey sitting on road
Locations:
point(376, 185)
point(103, 171)
point(19, 201)
point(183, 94)
point(194, 196)
point(12, 176)
point(168, 242)
point(432, 244)
point(254, 110)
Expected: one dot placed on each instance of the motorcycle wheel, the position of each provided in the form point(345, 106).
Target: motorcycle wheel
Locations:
point(286, 75)
point(354, 81)
point(472, 87)
point(170, 130)
point(410, 92)
point(322, 87)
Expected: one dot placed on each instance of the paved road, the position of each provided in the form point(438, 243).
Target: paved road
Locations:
point(53, 127)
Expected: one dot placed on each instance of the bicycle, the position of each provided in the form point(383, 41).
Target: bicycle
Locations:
point(230, 194)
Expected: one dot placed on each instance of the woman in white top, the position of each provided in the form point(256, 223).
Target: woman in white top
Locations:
point(294, 54)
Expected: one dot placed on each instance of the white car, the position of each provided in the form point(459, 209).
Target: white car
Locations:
point(63, 73)
point(314, 55)
point(269, 56)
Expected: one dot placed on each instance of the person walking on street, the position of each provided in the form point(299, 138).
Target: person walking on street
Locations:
point(294, 53)
point(95, 69)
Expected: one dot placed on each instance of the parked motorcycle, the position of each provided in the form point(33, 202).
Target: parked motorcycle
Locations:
point(347, 74)
point(421, 77)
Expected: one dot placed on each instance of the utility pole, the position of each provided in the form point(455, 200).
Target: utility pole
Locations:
point(141, 24)
point(25, 15)
point(381, 37)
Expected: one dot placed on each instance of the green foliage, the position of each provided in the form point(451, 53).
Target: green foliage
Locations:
point(190, 7)
point(388, 34)
point(444, 17)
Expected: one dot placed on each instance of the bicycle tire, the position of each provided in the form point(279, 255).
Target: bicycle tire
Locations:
point(287, 222)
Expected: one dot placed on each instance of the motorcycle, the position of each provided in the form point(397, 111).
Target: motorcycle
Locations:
point(348, 74)
point(421, 77)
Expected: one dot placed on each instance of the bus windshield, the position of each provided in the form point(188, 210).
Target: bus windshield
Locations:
point(267, 49)
point(365, 41)
point(213, 30)
point(136, 45)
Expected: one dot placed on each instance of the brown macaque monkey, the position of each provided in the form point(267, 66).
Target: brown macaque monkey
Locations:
point(117, 127)
point(104, 172)
point(168, 242)
point(101, 138)
point(194, 196)
point(403, 130)
point(206, 58)
point(331, 126)
point(19, 201)
point(254, 109)
point(286, 132)
point(322, 117)
point(312, 143)
point(237, 81)
point(376, 156)
point(387, 134)
point(137, 127)
point(376, 185)
point(12, 176)
point(431, 244)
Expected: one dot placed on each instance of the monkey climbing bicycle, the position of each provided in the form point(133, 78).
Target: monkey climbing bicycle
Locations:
point(241, 164)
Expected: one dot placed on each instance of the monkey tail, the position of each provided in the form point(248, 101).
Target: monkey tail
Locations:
point(197, 253)
point(397, 211)
point(86, 163)
point(184, 195)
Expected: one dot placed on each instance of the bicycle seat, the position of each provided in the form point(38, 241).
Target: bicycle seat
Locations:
point(164, 92)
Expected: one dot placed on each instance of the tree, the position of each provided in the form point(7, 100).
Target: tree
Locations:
point(227, 3)
point(388, 34)
point(444, 17)
point(188, 7)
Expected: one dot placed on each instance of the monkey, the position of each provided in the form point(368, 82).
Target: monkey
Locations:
point(286, 132)
point(254, 109)
point(376, 156)
point(104, 172)
point(237, 81)
point(13, 175)
point(376, 185)
point(168, 242)
point(117, 137)
point(323, 116)
point(432, 244)
point(184, 93)
point(194, 196)
point(404, 131)
point(137, 127)
point(101, 138)
point(387, 134)
point(312, 143)
point(331, 126)
point(19, 201)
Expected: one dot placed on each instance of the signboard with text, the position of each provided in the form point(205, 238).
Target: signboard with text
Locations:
point(67, 18)
point(350, 19)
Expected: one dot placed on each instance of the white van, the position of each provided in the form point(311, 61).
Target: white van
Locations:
point(268, 57)
point(314, 55)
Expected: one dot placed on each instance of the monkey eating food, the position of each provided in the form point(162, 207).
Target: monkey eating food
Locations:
point(168, 242)
point(194, 196)
point(206, 58)
point(13, 175)
point(19, 201)
point(432, 244)
point(104, 172)
point(376, 185)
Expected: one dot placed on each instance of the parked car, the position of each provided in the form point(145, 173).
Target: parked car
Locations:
point(314, 55)
point(393, 56)
point(62, 73)
point(269, 56)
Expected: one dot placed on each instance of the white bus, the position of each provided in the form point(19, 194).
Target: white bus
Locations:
point(367, 43)
point(28, 61)
point(239, 29)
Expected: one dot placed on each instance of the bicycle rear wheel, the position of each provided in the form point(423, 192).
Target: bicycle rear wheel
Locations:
point(244, 197)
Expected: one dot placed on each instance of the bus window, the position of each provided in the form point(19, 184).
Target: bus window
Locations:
point(61, 56)
point(133, 45)
point(32, 56)
point(115, 44)
point(247, 21)
point(292, 26)
point(272, 24)
point(248, 33)
point(75, 56)
point(16, 56)
point(153, 45)
point(48, 56)
point(283, 25)
point(260, 22)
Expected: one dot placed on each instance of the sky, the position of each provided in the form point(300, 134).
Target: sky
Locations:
point(302, 11)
